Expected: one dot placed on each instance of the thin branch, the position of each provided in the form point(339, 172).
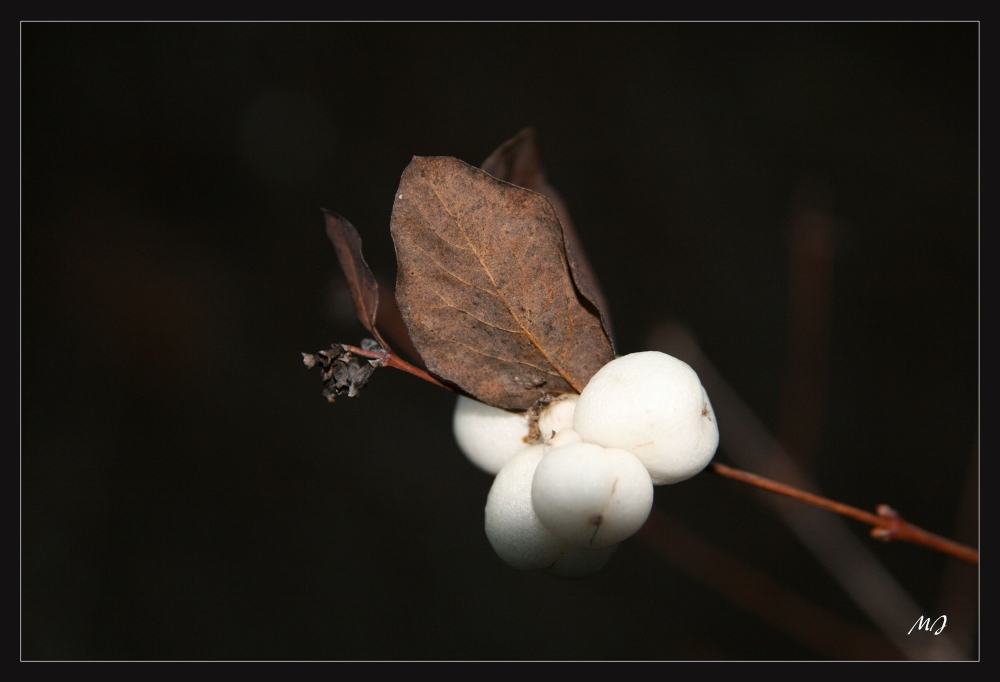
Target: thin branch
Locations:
point(390, 359)
point(889, 525)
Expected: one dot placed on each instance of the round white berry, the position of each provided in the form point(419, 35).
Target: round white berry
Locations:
point(511, 525)
point(653, 405)
point(487, 435)
point(564, 437)
point(590, 496)
point(557, 415)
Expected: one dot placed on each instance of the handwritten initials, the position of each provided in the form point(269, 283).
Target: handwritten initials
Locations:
point(926, 624)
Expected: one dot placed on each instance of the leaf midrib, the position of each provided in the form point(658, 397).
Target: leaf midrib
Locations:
point(499, 293)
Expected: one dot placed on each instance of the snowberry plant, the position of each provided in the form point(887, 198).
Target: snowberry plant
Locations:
point(575, 436)
point(500, 305)
point(582, 480)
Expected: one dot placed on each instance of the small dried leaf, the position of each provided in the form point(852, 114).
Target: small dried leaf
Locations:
point(485, 287)
point(393, 328)
point(359, 374)
point(518, 162)
point(343, 372)
point(364, 288)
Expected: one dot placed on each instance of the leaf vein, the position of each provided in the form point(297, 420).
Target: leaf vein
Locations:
point(427, 220)
point(444, 269)
point(479, 351)
point(489, 274)
point(449, 304)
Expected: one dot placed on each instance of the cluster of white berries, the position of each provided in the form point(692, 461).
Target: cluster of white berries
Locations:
point(564, 502)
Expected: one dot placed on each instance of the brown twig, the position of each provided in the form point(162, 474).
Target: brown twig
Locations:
point(889, 525)
point(390, 359)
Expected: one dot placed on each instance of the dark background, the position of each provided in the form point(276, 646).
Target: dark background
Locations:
point(186, 493)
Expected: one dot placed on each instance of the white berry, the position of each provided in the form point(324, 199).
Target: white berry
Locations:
point(590, 496)
point(511, 525)
point(487, 435)
point(557, 415)
point(564, 437)
point(653, 405)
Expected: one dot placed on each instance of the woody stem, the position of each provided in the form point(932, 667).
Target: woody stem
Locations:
point(390, 359)
point(888, 524)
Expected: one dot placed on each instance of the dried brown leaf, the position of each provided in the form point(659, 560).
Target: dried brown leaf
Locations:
point(364, 288)
point(518, 162)
point(392, 326)
point(485, 287)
